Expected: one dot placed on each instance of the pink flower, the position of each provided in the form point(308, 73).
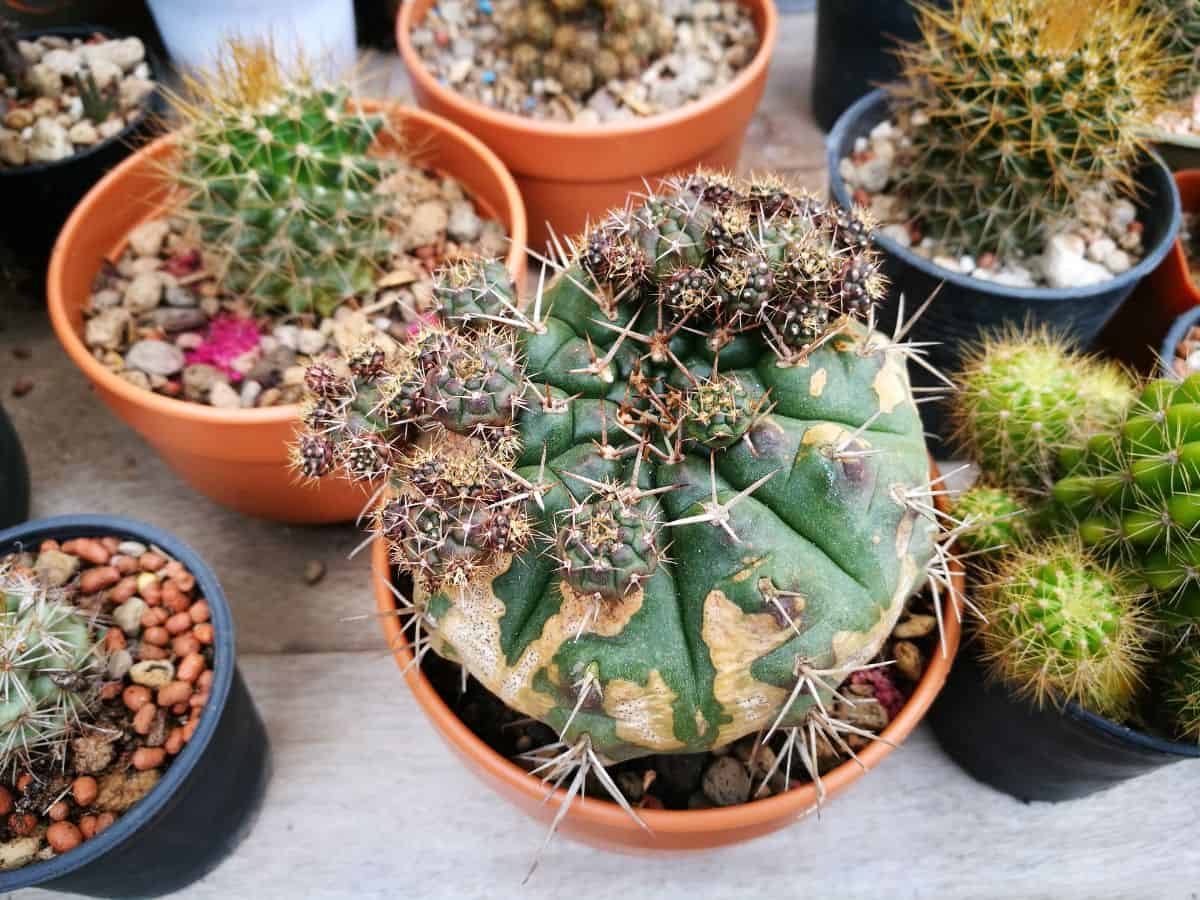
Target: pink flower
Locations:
point(886, 692)
point(229, 337)
point(423, 320)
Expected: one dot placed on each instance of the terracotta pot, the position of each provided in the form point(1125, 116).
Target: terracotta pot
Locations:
point(1135, 334)
point(603, 824)
point(239, 457)
point(570, 173)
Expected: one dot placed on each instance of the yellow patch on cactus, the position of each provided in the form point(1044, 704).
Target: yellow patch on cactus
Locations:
point(817, 385)
point(643, 715)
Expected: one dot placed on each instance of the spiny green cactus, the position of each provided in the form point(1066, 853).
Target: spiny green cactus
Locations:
point(1179, 678)
point(50, 673)
point(476, 292)
point(1180, 39)
point(1136, 489)
point(584, 43)
point(994, 518)
point(1016, 106)
point(281, 185)
point(681, 498)
point(1023, 396)
point(1059, 624)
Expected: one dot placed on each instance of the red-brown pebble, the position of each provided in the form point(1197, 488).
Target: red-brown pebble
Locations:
point(174, 741)
point(152, 594)
point(157, 636)
point(135, 697)
point(151, 562)
point(155, 616)
point(175, 692)
point(186, 581)
point(6, 801)
point(173, 598)
point(190, 728)
point(198, 701)
point(179, 623)
point(47, 546)
point(199, 611)
point(148, 758)
point(173, 569)
point(104, 821)
point(58, 811)
point(64, 836)
point(92, 551)
point(98, 579)
point(87, 825)
point(143, 719)
point(190, 668)
point(204, 682)
point(85, 790)
point(110, 543)
point(203, 633)
point(22, 824)
point(110, 690)
point(24, 781)
point(125, 589)
point(114, 639)
point(69, 546)
point(126, 565)
point(149, 651)
point(185, 645)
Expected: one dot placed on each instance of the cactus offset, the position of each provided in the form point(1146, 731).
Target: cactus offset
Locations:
point(281, 185)
point(1023, 105)
point(681, 497)
point(994, 518)
point(1061, 625)
point(1136, 489)
point(51, 669)
point(1022, 397)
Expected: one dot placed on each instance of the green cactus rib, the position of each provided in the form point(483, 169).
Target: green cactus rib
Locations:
point(1135, 490)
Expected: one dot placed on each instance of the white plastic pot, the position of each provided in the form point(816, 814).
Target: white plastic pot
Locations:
point(323, 30)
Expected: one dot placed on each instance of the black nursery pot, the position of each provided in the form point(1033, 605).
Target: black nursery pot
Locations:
point(1039, 754)
point(966, 306)
point(14, 475)
point(38, 198)
point(209, 797)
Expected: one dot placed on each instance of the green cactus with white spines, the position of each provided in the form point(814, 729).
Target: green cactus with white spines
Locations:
point(1179, 680)
point(476, 292)
point(1023, 396)
point(51, 668)
point(1059, 624)
point(1180, 39)
point(281, 185)
point(994, 519)
point(1016, 107)
point(697, 518)
point(1136, 490)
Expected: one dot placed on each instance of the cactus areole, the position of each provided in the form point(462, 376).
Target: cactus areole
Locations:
point(675, 499)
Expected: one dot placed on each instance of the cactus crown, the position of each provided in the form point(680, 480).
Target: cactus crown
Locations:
point(280, 182)
point(672, 499)
point(1024, 395)
point(50, 673)
point(1061, 625)
point(1023, 104)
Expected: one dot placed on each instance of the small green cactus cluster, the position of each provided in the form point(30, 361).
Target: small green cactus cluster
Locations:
point(997, 519)
point(1016, 107)
point(281, 184)
point(51, 668)
point(1180, 39)
point(584, 43)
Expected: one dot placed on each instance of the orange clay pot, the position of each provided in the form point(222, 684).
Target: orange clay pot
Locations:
point(603, 824)
point(569, 173)
point(239, 458)
point(1136, 332)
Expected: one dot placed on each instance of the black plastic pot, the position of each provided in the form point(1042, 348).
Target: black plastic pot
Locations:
point(209, 797)
point(966, 306)
point(37, 198)
point(14, 475)
point(1175, 337)
point(1039, 754)
point(855, 39)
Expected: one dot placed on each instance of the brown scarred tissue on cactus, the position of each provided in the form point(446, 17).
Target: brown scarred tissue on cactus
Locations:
point(1018, 129)
point(298, 223)
point(670, 503)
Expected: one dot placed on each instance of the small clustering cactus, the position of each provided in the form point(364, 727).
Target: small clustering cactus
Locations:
point(281, 184)
point(1023, 396)
point(51, 668)
point(672, 500)
point(1060, 625)
point(995, 519)
point(1180, 39)
point(1016, 107)
point(584, 43)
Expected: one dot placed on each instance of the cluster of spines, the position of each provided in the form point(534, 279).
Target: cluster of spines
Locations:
point(608, 544)
point(281, 184)
point(993, 519)
point(1180, 39)
point(1179, 680)
point(1017, 106)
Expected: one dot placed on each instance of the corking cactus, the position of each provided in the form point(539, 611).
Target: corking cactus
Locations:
point(672, 501)
point(281, 185)
point(51, 668)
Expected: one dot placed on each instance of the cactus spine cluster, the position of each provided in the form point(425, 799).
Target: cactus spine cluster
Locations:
point(584, 43)
point(281, 185)
point(1023, 396)
point(672, 499)
point(1016, 107)
point(1180, 681)
point(1180, 39)
point(996, 519)
point(50, 672)
point(1061, 625)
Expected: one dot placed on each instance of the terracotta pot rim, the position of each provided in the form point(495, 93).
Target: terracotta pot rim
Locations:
point(170, 407)
point(768, 37)
point(797, 802)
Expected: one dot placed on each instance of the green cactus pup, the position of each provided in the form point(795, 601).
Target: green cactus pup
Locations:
point(281, 184)
point(1179, 678)
point(50, 673)
point(1135, 489)
point(993, 519)
point(1060, 624)
point(1024, 395)
point(680, 499)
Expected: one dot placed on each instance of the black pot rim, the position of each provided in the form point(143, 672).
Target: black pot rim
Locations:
point(1131, 735)
point(148, 104)
point(1174, 337)
point(66, 527)
point(869, 102)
